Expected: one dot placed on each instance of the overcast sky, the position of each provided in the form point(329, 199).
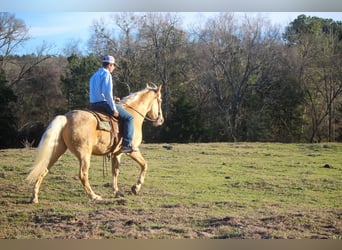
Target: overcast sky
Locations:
point(59, 28)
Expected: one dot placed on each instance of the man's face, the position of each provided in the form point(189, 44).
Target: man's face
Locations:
point(111, 67)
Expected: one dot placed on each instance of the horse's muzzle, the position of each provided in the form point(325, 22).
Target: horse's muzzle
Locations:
point(158, 122)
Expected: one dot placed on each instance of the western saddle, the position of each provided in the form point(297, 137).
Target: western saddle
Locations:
point(106, 122)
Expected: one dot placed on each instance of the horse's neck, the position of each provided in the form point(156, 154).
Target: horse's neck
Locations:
point(140, 102)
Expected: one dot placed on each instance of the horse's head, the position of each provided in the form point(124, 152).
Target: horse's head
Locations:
point(155, 113)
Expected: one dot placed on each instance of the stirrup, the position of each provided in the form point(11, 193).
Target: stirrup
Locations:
point(129, 149)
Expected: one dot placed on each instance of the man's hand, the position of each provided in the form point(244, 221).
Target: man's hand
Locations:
point(116, 113)
point(117, 99)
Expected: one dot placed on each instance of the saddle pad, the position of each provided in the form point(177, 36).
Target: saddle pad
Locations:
point(104, 125)
point(103, 121)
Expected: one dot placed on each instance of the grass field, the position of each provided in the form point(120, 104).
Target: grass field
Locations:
point(215, 190)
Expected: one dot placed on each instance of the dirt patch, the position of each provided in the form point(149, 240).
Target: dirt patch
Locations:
point(117, 222)
point(314, 225)
point(176, 221)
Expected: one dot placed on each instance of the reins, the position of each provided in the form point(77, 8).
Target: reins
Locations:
point(138, 112)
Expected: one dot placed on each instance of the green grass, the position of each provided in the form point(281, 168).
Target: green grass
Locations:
point(214, 190)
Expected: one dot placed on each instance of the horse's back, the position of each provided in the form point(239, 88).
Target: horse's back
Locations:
point(80, 120)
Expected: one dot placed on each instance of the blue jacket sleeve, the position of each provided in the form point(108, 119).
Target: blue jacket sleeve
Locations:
point(107, 90)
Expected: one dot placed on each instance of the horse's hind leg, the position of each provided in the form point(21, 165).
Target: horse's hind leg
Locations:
point(83, 175)
point(143, 164)
point(58, 151)
point(36, 187)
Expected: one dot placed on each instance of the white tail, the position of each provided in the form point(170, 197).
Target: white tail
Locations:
point(46, 147)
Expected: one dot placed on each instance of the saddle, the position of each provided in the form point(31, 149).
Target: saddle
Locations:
point(106, 122)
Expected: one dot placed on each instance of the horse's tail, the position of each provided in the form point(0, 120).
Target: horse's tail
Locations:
point(46, 148)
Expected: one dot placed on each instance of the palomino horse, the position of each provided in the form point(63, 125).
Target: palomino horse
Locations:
point(76, 131)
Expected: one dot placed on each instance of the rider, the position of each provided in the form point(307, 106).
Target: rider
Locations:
point(101, 95)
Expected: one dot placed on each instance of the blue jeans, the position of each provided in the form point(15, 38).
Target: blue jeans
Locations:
point(125, 117)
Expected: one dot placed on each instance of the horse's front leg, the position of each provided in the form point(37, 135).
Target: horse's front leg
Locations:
point(115, 174)
point(136, 156)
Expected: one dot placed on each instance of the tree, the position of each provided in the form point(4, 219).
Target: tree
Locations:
point(8, 130)
point(163, 51)
point(316, 44)
point(183, 123)
point(13, 33)
point(75, 83)
point(128, 74)
point(273, 112)
point(15, 70)
point(240, 56)
point(39, 96)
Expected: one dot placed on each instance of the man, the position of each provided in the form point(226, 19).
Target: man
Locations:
point(101, 95)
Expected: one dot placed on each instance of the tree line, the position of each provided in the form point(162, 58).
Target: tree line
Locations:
point(227, 79)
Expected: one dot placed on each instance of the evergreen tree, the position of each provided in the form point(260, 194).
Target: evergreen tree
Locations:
point(76, 83)
point(183, 124)
point(7, 119)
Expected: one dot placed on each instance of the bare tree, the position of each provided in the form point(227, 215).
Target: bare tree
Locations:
point(316, 46)
point(241, 55)
point(13, 33)
point(129, 53)
point(72, 47)
point(163, 51)
point(323, 85)
point(103, 37)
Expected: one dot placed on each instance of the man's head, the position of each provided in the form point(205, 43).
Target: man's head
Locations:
point(108, 62)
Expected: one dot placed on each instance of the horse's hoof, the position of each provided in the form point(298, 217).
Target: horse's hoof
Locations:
point(97, 198)
point(119, 194)
point(135, 190)
point(34, 200)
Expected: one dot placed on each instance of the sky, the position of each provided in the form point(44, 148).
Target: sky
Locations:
point(57, 29)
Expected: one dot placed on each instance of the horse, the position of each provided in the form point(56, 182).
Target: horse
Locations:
point(77, 131)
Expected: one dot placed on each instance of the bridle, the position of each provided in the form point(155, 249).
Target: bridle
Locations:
point(145, 116)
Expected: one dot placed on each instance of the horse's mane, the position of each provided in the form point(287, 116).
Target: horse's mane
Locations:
point(133, 96)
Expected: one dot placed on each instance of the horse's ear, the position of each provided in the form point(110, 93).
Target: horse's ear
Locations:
point(147, 85)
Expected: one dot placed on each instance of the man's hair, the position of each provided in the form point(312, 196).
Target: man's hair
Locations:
point(105, 64)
